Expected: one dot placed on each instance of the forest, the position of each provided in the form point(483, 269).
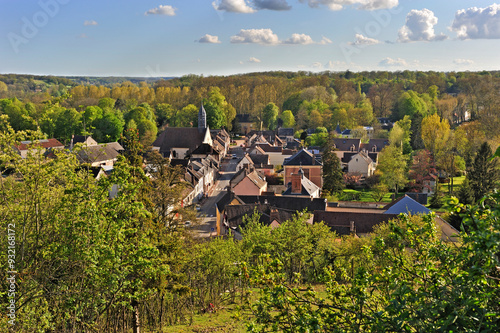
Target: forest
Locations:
point(85, 262)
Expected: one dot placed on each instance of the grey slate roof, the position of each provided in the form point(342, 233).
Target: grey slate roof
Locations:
point(302, 157)
point(345, 144)
point(290, 203)
point(363, 222)
point(406, 205)
point(179, 137)
point(99, 153)
point(283, 132)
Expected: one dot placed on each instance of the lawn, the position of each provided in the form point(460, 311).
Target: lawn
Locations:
point(221, 321)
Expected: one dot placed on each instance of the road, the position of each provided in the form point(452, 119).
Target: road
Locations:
point(206, 214)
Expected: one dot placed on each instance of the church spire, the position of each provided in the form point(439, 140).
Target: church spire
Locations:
point(202, 118)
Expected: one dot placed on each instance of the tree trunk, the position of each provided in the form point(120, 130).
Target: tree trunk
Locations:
point(137, 322)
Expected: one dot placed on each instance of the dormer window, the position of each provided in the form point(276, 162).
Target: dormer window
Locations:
point(374, 148)
point(353, 148)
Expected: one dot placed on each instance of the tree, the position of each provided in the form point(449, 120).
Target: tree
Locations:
point(109, 128)
point(403, 279)
point(333, 180)
point(435, 133)
point(420, 170)
point(484, 173)
point(270, 116)
point(219, 112)
point(288, 119)
point(392, 168)
point(465, 194)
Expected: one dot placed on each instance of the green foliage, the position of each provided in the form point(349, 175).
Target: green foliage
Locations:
point(484, 174)
point(401, 279)
point(288, 119)
point(333, 180)
point(392, 168)
point(270, 116)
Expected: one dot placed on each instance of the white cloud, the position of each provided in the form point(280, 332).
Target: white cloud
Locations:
point(162, 10)
point(477, 23)
point(82, 36)
point(317, 65)
point(362, 40)
point(362, 4)
point(253, 59)
point(463, 62)
point(389, 62)
point(209, 39)
point(256, 36)
point(302, 39)
point(233, 6)
point(325, 41)
point(92, 22)
point(272, 4)
point(419, 26)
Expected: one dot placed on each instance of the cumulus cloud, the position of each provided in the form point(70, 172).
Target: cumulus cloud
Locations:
point(302, 39)
point(162, 10)
point(362, 4)
point(255, 36)
point(92, 22)
point(272, 4)
point(362, 40)
point(389, 62)
point(82, 36)
point(253, 59)
point(233, 6)
point(477, 23)
point(268, 37)
point(419, 26)
point(463, 62)
point(209, 39)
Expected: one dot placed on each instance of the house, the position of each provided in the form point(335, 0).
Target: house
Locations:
point(44, 145)
point(245, 161)
point(286, 134)
point(301, 186)
point(310, 164)
point(99, 155)
point(246, 122)
point(345, 221)
point(274, 210)
point(229, 198)
point(361, 221)
point(361, 163)
point(275, 153)
point(180, 142)
point(375, 145)
point(201, 174)
point(248, 181)
point(85, 140)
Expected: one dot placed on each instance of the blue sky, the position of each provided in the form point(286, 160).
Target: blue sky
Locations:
point(222, 37)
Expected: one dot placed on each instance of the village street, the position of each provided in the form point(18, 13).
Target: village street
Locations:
point(207, 214)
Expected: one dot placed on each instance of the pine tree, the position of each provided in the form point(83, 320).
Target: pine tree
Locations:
point(484, 173)
point(333, 179)
point(465, 194)
point(436, 200)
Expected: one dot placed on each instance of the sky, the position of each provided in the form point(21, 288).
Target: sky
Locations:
point(223, 37)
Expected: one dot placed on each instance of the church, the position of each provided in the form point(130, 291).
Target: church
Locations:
point(183, 142)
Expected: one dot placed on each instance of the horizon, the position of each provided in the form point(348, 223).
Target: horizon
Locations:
point(236, 37)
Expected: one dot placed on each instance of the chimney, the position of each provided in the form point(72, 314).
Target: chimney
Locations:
point(296, 183)
point(275, 215)
point(352, 228)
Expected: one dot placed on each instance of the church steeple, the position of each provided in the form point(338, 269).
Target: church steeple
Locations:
point(202, 118)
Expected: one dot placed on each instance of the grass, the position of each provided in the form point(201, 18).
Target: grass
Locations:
point(222, 321)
